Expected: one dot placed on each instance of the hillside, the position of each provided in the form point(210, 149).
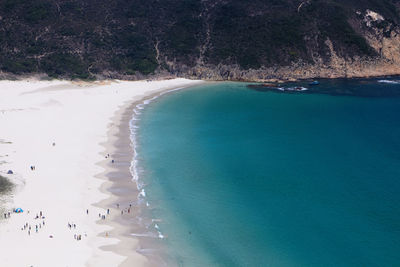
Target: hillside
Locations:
point(220, 39)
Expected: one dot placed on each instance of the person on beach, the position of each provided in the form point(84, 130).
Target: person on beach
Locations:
point(87, 211)
point(108, 211)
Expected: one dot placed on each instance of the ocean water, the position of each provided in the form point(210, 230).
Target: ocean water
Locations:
point(240, 177)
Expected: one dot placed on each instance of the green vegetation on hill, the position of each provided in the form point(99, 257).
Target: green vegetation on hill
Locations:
point(81, 38)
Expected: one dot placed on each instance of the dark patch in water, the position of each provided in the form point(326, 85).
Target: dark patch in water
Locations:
point(343, 87)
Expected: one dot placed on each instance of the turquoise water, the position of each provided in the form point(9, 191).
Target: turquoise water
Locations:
point(239, 177)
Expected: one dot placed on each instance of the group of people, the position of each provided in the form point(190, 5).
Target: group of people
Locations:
point(40, 215)
point(29, 227)
point(128, 210)
point(71, 226)
point(78, 237)
point(107, 156)
point(37, 226)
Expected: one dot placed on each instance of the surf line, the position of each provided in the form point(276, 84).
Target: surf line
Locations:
point(134, 168)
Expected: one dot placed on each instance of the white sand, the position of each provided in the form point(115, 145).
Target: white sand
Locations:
point(33, 115)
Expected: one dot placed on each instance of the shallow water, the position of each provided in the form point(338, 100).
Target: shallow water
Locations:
point(239, 177)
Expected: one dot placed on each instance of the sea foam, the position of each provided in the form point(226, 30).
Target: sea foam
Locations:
point(134, 167)
point(389, 81)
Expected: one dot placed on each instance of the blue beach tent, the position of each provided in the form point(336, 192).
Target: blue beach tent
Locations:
point(19, 210)
point(10, 172)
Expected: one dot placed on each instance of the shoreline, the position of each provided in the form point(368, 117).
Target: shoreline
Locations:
point(124, 190)
point(82, 121)
point(278, 79)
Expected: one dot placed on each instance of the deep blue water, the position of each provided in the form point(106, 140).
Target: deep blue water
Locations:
point(240, 177)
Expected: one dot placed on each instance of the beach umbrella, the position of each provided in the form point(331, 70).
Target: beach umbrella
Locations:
point(19, 210)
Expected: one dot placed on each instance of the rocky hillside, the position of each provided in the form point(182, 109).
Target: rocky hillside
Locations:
point(209, 39)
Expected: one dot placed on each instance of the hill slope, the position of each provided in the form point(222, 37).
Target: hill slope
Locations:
point(209, 39)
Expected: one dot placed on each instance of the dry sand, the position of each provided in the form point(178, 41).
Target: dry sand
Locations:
point(85, 121)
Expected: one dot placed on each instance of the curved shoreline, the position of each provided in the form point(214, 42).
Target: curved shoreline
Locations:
point(122, 183)
point(60, 127)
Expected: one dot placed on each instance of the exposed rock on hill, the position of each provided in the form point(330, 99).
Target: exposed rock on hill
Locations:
point(209, 39)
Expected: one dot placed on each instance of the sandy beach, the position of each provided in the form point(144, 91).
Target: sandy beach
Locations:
point(67, 144)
